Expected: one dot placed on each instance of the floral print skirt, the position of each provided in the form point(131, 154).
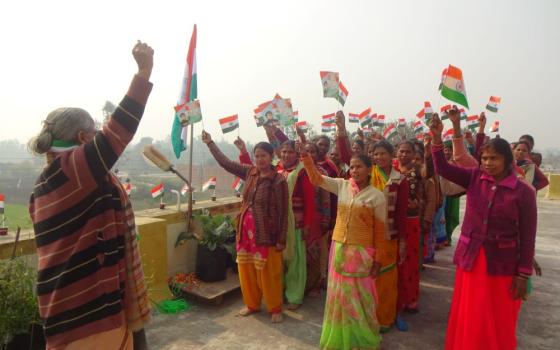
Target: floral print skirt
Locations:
point(350, 320)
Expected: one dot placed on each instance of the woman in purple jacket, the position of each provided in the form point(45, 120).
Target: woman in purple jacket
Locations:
point(494, 255)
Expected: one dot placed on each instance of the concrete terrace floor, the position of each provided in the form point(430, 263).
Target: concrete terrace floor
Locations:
point(217, 327)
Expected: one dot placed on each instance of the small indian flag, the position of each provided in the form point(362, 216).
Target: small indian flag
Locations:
point(365, 118)
point(472, 121)
point(380, 120)
point(418, 126)
point(495, 126)
point(238, 184)
point(229, 123)
point(373, 119)
point(420, 136)
point(2, 203)
point(328, 127)
point(448, 135)
point(295, 116)
point(127, 188)
point(184, 190)
point(443, 74)
point(353, 118)
point(303, 126)
point(421, 115)
point(210, 184)
point(453, 87)
point(493, 104)
point(329, 118)
point(444, 111)
point(390, 132)
point(426, 112)
point(402, 122)
point(158, 191)
point(463, 114)
point(342, 94)
point(330, 81)
point(367, 132)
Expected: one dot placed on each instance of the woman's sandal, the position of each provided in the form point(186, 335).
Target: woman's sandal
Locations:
point(293, 307)
point(276, 318)
point(246, 312)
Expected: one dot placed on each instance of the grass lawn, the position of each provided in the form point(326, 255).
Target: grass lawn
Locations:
point(17, 214)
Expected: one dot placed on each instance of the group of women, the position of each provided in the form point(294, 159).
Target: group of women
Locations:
point(358, 218)
point(369, 215)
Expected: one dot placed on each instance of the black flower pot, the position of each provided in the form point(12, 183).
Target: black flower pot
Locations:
point(211, 266)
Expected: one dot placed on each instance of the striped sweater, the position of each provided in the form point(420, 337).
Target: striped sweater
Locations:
point(83, 226)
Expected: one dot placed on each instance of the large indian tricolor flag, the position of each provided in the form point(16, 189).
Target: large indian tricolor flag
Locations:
point(453, 87)
point(229, 123)
point(158, 191)
point(210, 184)
point(493, 104)
point(189, 92)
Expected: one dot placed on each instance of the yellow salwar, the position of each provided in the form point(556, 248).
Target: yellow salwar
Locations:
point(387, 278)
point(263, 283)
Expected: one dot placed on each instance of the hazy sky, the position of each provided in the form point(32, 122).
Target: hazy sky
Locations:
point(390, 55)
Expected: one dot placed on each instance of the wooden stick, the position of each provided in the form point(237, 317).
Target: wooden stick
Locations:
point(16, 242)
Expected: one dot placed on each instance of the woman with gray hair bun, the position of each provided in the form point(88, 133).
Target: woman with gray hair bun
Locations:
point(90, 283)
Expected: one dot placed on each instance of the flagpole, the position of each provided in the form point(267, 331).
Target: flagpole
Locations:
point(190, 191)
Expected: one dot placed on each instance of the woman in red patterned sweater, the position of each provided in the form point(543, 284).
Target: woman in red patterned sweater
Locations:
point(90, 285)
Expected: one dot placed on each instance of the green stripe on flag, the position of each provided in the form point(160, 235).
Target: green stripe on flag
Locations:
point(194, 88)
point(455, 96)
point(230, 128)
point(176, 142)
point(492, 108)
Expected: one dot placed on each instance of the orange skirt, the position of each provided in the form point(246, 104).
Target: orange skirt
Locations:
point(483, 312)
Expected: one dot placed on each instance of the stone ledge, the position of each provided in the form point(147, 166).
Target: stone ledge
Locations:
point(26, 244)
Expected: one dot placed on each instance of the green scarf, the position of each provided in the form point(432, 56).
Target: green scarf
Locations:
point(63, 146)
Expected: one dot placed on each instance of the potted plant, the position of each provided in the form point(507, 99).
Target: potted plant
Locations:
point(19, 314)
point(216, 245)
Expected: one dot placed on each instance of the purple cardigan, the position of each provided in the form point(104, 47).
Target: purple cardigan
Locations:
point(501, 217)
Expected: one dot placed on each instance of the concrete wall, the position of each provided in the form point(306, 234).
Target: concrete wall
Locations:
point(158, 230)
point(553, 191)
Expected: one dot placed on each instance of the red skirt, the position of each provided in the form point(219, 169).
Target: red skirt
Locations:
point(409, 270)
point(483, 312)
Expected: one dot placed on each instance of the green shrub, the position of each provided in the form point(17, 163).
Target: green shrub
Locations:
point(18, 302)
